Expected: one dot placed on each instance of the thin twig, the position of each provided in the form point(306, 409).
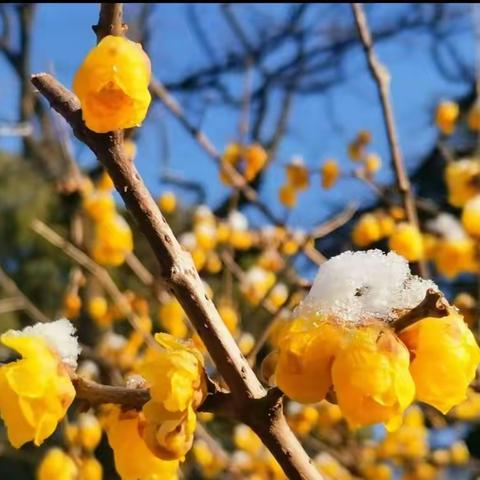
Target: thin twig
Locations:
point(98, 394)
point(96, 270)
point(382, 80)
point(12, 289)
point(433, 305)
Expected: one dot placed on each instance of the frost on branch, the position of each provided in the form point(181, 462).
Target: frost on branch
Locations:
point(356, 286)
point(59, 335)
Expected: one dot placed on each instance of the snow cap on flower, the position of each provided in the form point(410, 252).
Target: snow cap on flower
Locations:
point(237, 220)
point(59, 335)
point(356, 286)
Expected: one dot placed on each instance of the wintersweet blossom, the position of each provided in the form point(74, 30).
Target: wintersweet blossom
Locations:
point(36, 389)
point(112, 85)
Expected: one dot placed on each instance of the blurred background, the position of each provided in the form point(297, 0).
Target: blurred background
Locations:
point(291, 78)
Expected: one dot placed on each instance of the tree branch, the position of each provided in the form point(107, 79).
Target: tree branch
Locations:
point(110, 21)
point(12, 289)
point(98, 394)
point(433, 305)
point(382, 80)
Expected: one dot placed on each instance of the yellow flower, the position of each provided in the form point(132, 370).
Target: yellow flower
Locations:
point(90, 469)
point(105, 183)
point(407, 241)
point(355, 150)
point(57, 465)
point(442, 384)
point(305, 358)
point(378, 471)
point(455, 256)
point(241, 239)
point(462, 181)
point(287, 195)
point(421, 471)
point(99, 205)
point(278, 296)
point(330, 468)
point(386, 224)
point(373, 163)
point(177, 387)
point(366, 231)
point(409, 442)
point(297, 174)
point(459, 453)
point(301, 418)
point(255, 158)
point(429, 245)
point(246, 342)
point(473, 118)
point(471, 216)
point(397, 212)
point(364, 137)
point(446, 116)
point(206, 235)
point(89, 431)
point(329, 414)
point(257, 284)
point(172, 318)
point(231, 156)
point(371, 377)
point(112, 85)
point(97, 307)
point(213, 263)
point(36, 390)
point(210, 463)
point(246, 439)
point(469, 409)
point(72, 304)
point(167, 202)
point(330, 172)
point(113, 241)
point(133, 459)
point(229, 315)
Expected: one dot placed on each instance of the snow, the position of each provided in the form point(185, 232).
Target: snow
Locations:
point(357, 286)
point(238, 221)
point(59, 335)
point(448, 226)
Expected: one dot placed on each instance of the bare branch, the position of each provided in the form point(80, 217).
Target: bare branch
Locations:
point(382, 79)
point(12, 289)
point(96, 270)
point(98, 394)
point(110, 21)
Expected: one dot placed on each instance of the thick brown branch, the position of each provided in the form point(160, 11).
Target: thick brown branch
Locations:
point(382, 80)
point(433, 305)
point(110, 21)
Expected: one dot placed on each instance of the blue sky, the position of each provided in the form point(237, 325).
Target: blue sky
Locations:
point(320, 126)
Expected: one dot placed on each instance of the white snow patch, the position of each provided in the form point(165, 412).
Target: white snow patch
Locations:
point(59, 335)
point(238, 221)
point(448, 226)
point(357, 286)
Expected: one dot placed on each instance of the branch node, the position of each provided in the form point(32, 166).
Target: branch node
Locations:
point(433, 305)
